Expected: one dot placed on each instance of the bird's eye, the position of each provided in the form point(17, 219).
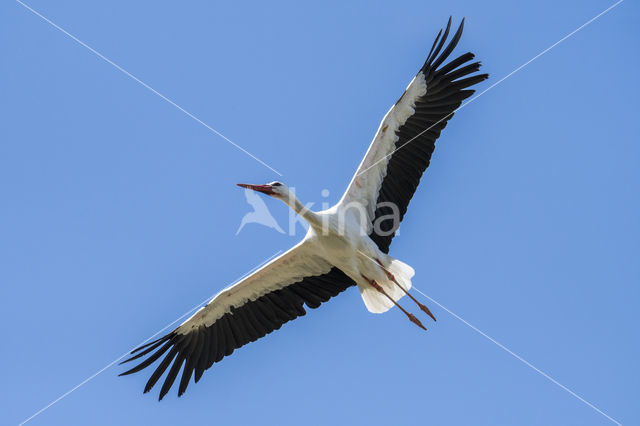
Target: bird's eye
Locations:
point(276, 184)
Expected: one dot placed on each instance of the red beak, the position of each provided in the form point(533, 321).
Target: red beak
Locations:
point(265, 189)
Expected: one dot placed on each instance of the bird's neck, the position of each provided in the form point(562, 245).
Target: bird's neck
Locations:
point(309, 215)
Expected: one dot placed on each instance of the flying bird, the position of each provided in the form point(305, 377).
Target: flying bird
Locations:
point(260, 213)
point(346, 245)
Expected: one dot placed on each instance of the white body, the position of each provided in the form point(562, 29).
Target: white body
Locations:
point(337, 251)
point(340, 235)
point(337, 236)
point(347, 247)
point(335, 239)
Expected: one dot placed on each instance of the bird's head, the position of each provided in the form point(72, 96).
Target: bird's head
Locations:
point(274, 189)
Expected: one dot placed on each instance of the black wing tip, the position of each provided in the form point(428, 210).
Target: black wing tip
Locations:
point(150, 346)
point(148, 387)
point(182, 391)
point(128, 359)
point(200, 348)
point(435, 57)
point(461, 26)
point(478, 78)
point(162, 394)
point(145, 345)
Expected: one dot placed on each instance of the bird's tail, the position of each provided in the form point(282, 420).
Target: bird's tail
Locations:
point(377, 302)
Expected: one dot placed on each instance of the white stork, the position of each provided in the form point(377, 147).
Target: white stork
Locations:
point(345, 245)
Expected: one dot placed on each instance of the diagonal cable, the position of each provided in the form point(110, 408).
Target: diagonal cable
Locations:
point(106, 367)
point(145, 85)
point(446, 117)
point(504, 348)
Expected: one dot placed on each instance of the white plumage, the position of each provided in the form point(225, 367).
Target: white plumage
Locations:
point(345, 245)
point(366, 182)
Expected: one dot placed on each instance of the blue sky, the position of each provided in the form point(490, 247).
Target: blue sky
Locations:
point(118, 212)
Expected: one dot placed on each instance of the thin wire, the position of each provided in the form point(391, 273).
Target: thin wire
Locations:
point(518, 357)
point(446, 117)
point(128, 74)
point(264, 164)
point(501, 346)
point(88, 379)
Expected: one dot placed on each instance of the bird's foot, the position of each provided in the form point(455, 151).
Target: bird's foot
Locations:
point(409, 315)
point(426, 310)
point(422, 307)
point(416, 321)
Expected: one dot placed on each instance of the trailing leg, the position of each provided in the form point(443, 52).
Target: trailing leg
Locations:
point(409, 315)
point(422, 307)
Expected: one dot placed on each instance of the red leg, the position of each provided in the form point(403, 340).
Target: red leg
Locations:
point(422, 307)
point(411, 317)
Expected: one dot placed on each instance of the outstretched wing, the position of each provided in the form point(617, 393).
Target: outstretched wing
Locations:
point(401, 149)
point(240, 314)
